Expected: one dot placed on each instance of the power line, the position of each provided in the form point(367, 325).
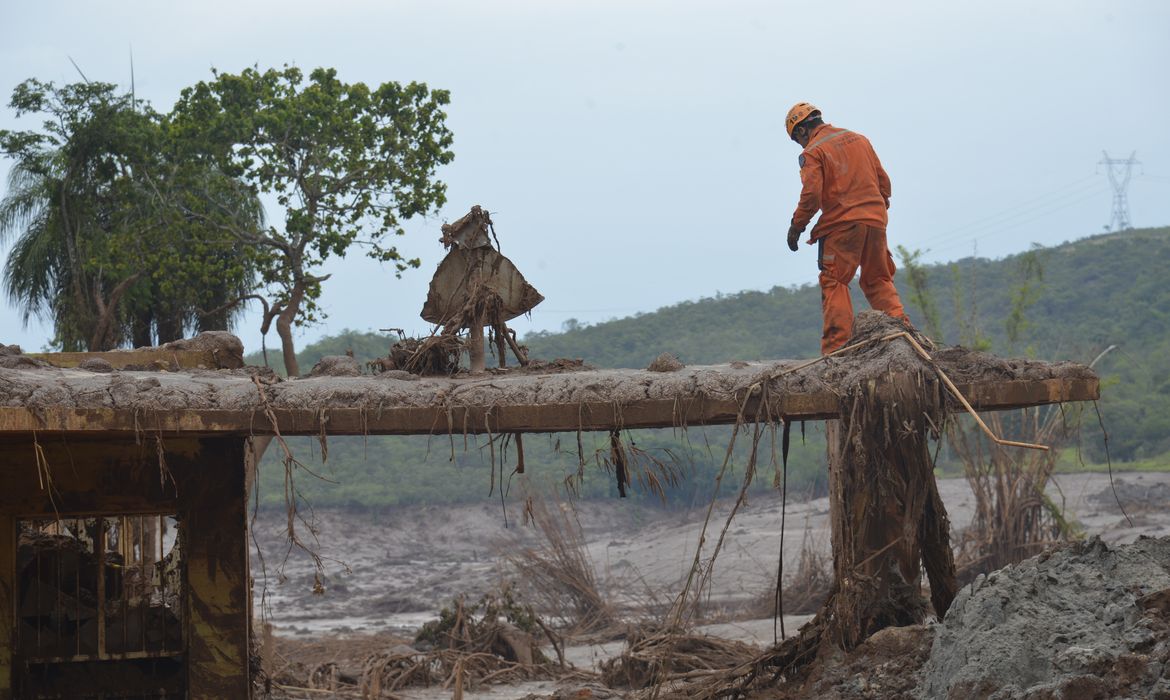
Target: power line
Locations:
point(1119, 171)
point(1069, 194)
point(994, 230)
point(1011, 211)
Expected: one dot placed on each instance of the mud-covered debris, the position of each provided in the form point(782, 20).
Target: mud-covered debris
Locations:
point(561, 364)
point(19, 361)
point(96, 364)
point(1134, 496)
point(227, 349)
point(1083, 619)
point(496, 640)
point(10, 349)
point(542, 382)
point(666, 362)
point(577, 691)
point(650, 658)
point(398, 374)
point(887, 665)
point(264, 375)
point(336, 366)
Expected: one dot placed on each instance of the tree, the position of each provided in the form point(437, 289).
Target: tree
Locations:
point(347, 163)
point(101, 246)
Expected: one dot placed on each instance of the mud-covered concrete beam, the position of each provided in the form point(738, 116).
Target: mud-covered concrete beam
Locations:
point(208, 350)
point(152, 358)
point(531, 418)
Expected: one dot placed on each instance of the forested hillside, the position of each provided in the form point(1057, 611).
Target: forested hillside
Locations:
point(1068, 302)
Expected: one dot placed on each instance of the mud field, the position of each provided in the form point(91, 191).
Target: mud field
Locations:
point(389, 572)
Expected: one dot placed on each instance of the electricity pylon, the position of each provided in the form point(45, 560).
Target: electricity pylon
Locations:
point(1119, 171)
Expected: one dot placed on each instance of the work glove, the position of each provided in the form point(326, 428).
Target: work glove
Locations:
point(794, 232)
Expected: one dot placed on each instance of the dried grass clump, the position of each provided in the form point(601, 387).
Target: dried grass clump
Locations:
point(558, 572)
point(384, 673)
point(492, 641)
point(659, 659)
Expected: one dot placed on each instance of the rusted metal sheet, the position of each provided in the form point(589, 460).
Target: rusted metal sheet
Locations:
point(529, 418)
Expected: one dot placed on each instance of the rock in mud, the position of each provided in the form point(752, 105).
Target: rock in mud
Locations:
point(12, 357)
point(666, 362)
point(227, 349)
point(96, 364)
point(18, 361)
point(399, 374)
point(336, 366)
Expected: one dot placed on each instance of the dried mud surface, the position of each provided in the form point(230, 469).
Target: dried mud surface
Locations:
point(405, 563)
point(1087, 620)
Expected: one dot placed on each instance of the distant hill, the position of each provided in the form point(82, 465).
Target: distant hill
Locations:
point(1103, 291)
point(1093, 292)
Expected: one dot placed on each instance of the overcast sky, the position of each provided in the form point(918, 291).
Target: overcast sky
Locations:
point(633, 153)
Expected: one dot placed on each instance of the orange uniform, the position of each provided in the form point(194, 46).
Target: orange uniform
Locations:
point(843, 178)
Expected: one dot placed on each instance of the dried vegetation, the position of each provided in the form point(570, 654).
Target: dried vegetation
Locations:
point(558, 573)
point(493, 641)
point(1014, 517)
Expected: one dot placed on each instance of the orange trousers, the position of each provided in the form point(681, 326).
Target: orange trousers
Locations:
point(839, 256)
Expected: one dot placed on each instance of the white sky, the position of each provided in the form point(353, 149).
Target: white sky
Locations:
point(633, 152)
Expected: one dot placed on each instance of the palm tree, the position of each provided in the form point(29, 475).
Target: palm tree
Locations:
point(108, 242)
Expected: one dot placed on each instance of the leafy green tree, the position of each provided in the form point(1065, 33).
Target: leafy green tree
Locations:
point(101, 246)
point(347, 163)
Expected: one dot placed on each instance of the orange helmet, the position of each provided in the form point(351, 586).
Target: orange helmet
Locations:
point(797, 114)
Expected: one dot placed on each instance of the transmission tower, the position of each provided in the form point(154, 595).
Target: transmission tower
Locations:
point(1119, 171)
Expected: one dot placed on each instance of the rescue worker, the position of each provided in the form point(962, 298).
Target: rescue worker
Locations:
point(842, 177)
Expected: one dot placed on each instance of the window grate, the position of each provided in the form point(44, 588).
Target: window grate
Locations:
point(99, 588)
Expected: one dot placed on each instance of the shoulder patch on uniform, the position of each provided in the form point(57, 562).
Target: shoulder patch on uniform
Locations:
point(800, 159)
